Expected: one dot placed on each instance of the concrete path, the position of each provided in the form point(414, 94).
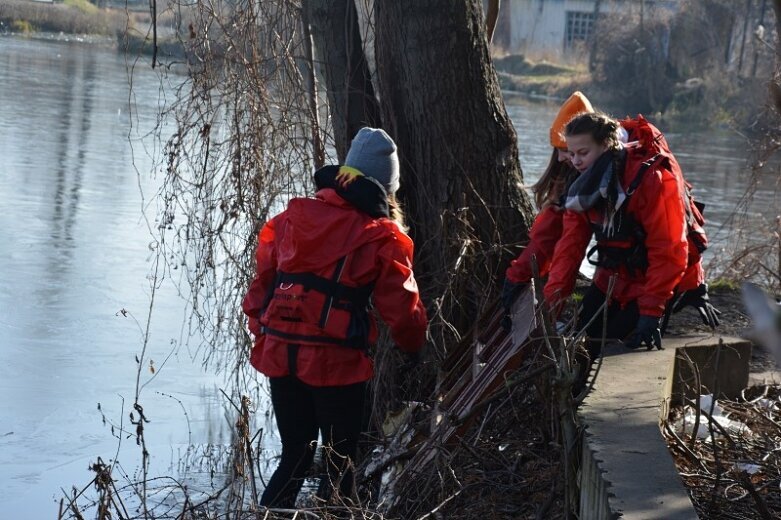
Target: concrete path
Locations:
point(623, 440)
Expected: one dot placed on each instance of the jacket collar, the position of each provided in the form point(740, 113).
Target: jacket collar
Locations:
point(364, 193)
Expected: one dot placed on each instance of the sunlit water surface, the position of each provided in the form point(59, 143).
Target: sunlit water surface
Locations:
point(74, 254)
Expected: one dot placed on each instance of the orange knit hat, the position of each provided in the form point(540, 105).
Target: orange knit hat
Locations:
point(576, 104)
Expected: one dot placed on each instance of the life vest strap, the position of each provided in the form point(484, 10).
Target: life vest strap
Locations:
point(304, 338)
point(354, 300)
point(358, 296)
point(644, 166)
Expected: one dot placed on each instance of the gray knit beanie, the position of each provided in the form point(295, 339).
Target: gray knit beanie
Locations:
point(373, 152)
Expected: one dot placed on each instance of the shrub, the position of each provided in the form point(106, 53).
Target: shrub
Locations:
point(632, 61)
point(21, 26)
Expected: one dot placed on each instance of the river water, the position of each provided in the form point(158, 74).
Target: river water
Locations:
point(75, 252)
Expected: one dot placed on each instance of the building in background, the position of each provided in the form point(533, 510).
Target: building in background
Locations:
point(555, 27)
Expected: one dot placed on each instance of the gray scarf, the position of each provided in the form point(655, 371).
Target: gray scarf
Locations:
point(597, 184)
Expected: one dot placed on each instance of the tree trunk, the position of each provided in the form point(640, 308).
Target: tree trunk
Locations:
point(777, 10)
point(338, 46)
point(746, 19)
point(461, 178)
point(775, 82)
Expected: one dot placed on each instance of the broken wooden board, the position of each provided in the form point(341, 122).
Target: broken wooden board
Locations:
point(477, 367)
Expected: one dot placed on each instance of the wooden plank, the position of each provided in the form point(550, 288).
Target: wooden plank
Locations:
point(473, 374)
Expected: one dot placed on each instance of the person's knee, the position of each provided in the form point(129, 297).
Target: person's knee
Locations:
point(298, 456)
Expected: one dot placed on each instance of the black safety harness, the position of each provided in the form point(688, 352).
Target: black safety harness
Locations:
point(626, 245)
point(355, 300)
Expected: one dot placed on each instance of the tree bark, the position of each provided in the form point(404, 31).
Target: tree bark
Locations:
point(461, 177)
point(338, 46)
point(318, 147)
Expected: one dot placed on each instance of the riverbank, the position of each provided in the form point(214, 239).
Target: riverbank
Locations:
point(683, 100)
point(520, 75)
point(82, 21)
point(74, 17)
point(691, 104)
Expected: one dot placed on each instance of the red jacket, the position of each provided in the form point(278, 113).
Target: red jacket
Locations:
point(311, 236)
point(543, 236)
point(658, 206)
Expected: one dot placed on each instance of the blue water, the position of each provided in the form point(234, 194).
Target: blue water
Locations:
point(74, 254)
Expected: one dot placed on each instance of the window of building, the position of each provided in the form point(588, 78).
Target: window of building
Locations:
point(579, 27)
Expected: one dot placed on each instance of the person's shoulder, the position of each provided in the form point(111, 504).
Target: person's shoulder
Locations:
point(395, 233)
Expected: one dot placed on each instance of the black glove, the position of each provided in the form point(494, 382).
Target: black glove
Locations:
point(698, 298)
point(510, 292)
point(646, 331)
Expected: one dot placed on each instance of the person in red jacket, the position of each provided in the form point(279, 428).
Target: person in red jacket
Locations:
point(548, 190)
point(637, 213)
point(692, 290)
point(319, 263)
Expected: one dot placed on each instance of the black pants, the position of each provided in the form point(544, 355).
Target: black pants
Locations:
point(301, 412)
point(620, 323)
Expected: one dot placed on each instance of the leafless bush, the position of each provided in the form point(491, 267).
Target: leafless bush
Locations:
point(112, 493)
point(632, 60)
point(237, 148)
point(730, 462)
point(753, 252)
point(755, 256)
point(704, 61)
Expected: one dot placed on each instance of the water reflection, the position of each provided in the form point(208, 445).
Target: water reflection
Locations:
point(74, 252)
point(66, 201)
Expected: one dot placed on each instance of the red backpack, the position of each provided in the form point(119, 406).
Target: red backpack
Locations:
point(646, 146)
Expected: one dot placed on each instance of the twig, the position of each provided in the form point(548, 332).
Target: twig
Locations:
point(685, 449)
point(511, 383)
point(746, 484)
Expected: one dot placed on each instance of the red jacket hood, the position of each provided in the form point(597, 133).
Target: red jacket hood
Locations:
point(316, 232)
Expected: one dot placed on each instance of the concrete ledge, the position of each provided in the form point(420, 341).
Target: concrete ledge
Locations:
point(767, 377)
point(627, 470)
point(729, 378)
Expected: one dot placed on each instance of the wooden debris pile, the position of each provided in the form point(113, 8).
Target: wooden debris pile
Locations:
point(485, 446)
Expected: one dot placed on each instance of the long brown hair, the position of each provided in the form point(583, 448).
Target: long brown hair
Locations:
point(550, 187)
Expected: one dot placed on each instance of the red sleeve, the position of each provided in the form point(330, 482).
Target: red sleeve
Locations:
point(567, 256)
point(266, 259)
point(396, 295)
point(544, 234)
point(661, 213)
point(693, 277)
